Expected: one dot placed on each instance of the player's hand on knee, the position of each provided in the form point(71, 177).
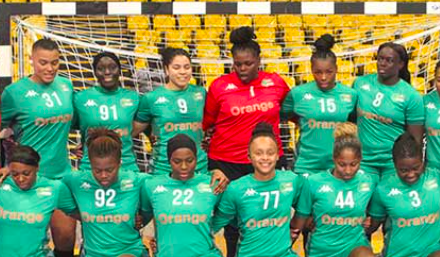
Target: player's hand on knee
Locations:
point(153, 245)
point(139, 222)
point(219, 178)
point(78, 151)
point(294, 234)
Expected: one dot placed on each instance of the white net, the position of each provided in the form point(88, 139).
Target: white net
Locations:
point(285, 41)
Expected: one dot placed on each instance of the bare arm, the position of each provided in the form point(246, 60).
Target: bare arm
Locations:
point(417, 131)
point(138, 127)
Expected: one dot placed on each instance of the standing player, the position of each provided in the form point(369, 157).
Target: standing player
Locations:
point(107, 199)
point(27, 203)
point(387, 106)
point(409, 200)
point(235, 104)
point(107, 105)
point(337, 200)
point(261, 203)
point(432, 122)
point(182, 204)
point(175, 108)
point(319, 105)
point(39, 109)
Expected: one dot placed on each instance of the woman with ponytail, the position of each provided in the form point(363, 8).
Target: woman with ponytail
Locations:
point(235, 103)
point(337, 201)
point(323, 101)
point(387, 106)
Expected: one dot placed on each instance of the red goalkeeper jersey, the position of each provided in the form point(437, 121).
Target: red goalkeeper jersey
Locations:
point(234, 109)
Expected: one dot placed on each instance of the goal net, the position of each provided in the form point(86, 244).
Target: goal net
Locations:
point(285, 41)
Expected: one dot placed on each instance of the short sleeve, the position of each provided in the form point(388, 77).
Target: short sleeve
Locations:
point(415, 111)
point(305, 202)
point(376, 209)
point(212, 107)
point(300, 180)
point(144, 114)
point(8, 109)
point(226, 210)
point(287, 107)
point(146, 207)
point(66, 203)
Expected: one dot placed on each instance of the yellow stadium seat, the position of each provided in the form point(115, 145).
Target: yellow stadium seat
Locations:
point(140, 64)
point(419, 84)
point(208, 35)
point(212, 69)
point(280, 68)
point(146, 49)
point(215, 21)
point(265, 21)
point(161, 22)
point(238, 20)
point(289, 21)
point(269, 50)
point(315, 20)
point(266, 35)
point(208, 81)
point(138, 22)
point(345, 66)
point(306, 78)
point(183, 36)
point(370, 67)
point(189, 21)
point(290, 81)
point(204, 51)
point(301, 52)
point(178, 44)
point(293, 36)
point(147, 37)
point(161, 0)
point(303, 67)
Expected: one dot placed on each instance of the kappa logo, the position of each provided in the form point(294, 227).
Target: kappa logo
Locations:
point(6, 187)
point(325, 189)
point(308, 96)
point(431, 106)
point(160, 189)
point(85, 186)
point(90, 103)
point(394, 192)
point(31, 93)
point(250, 192)
point(161, 100)
point(231, 86)
point(366, 87)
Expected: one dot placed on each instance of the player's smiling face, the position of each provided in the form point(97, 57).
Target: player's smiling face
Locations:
point(263, 153)
point(45, 64)
point(179, 72)
point(107, 73)
point(105, 170)
point(23, 175)
point(388, 63)
point(346, 164)
point(324, 73)
point(409, 170)
point(246, 65)
point(183, 164)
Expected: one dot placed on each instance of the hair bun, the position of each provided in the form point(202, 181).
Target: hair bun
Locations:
point(263, 128)
point(324, 43)
point(242, 35)
point(346, 129)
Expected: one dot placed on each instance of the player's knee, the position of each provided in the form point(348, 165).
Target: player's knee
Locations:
point(361, 251)
point(63, 229)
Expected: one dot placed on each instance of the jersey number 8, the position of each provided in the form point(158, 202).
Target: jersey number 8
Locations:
point(105, 198)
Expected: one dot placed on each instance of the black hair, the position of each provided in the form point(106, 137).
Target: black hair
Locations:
point(242, 39)
point(169, 53)
point(24, 154)
point(404, 57)
point(437, 66)
point(346, 138)
point(323, 46)
point(46, 44)
point(101, 55)
point(102, 142)
point(263, 129)
point(180, 141)
point(406, 146)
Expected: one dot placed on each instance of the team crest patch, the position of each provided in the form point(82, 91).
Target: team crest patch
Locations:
point(126, 184)
point(64, 87)
point(198, 96)
point(267, 83)
point(286, 187)
point(44, 191)
point(398, 98)
point(346, 98)
point(366, 87)
point(364, 187)
point(125, 102)
point(204, 188)
point(431, 184)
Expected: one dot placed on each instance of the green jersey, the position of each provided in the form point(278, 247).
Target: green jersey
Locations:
point(97, 107)
point(171, 113)
point(108, 214)
point(182, 213)
point(414, 214)
point(40, 116)
point(262, 210)
point(338, 209)
point(383, 112)
point(25, 215)
point(432, 126)
point(319, 112)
